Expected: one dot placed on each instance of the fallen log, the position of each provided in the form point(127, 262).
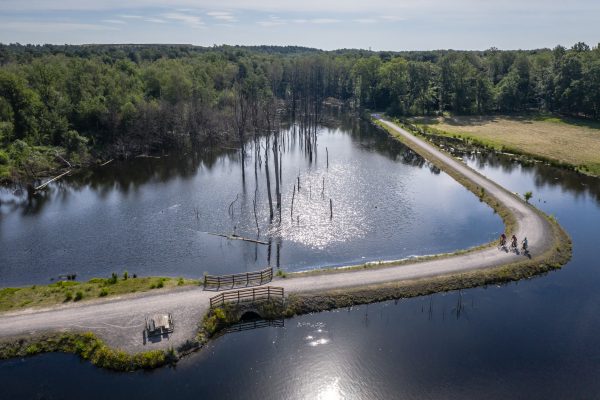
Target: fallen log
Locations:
point(236, 237)
point(146, 156)
point(43, 185)
point(106, 163)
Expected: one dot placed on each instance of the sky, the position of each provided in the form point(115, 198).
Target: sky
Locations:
point(324, 24)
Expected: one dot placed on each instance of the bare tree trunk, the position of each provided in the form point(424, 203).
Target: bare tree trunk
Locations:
point(277, 177)
point(268, 180)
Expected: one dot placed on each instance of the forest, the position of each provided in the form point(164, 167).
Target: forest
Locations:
point(78, 105)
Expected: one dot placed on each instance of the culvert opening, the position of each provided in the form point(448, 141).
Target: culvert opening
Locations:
point(250, 316)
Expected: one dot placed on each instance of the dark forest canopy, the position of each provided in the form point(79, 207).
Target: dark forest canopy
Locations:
point(127, 99)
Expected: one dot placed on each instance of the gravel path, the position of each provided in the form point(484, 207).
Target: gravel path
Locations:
point(120, 321)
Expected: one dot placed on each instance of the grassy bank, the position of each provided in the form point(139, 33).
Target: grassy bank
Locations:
point(88, 347)
point(561, 141)
point(71, 291)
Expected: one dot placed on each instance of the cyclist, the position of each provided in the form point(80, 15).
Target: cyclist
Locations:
point(502, 240)
point(525, 244)
point(514, 242)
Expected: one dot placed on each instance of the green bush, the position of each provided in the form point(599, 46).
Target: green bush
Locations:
point(78, 296)
point(74, 141)
point(68, 296)
point(103, 292)
point(3, 158)
point(113, 279)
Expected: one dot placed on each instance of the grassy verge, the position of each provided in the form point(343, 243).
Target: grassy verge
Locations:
point(559, 141)
point(72, 291)
point(88, 347)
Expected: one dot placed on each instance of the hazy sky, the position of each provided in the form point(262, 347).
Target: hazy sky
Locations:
point(326, 24)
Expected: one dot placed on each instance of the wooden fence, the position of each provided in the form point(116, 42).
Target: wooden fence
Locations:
point(257, 278)
point(247, 295)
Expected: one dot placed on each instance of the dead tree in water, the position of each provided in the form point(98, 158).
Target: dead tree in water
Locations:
point(269, 112)
point(268, 180)
point(292, 207)
point(241, 115)
point(277, 169)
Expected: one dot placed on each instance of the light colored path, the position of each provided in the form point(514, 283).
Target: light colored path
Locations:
point(120, 321)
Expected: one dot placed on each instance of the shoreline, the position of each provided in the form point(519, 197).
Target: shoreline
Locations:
point(479, 266)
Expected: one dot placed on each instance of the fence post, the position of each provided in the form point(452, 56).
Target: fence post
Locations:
point(218, 282)
point(247, 280)
point(238, 297)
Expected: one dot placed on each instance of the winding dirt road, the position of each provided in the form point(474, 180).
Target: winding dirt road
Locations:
point(120, 321)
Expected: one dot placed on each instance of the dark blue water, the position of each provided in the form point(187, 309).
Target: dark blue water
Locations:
point(534, 339)
point(153, 216)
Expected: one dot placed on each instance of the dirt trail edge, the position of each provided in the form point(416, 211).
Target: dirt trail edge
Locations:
point(120, 321)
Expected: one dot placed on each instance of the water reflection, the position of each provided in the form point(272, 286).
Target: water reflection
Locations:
point(536, 338)
point(568, 181)
point(362, 197)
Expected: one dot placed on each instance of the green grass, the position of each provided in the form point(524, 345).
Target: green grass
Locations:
point(564, 142)
point(68, 291)
point(87, 346)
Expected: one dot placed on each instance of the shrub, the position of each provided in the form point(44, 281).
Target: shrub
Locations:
point(125, 275)
point(113, 279)
point(281, 273)
point(528, 196)
point(74, 141)
point(78, 295)
point(160, 284)
point(3, 158)
point(103, 292)
point(68, 296)
point(180, 282)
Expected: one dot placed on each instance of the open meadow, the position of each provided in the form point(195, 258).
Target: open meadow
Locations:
point(567, 141)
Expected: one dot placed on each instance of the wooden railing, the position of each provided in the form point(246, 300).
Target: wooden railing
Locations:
point(257, 278)
point(247, 295)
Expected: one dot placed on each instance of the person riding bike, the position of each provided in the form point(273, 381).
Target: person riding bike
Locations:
point(525, 244)
point(514, 242)
point(503, 240)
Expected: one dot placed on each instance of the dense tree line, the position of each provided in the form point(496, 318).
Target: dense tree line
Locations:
point(128, 99)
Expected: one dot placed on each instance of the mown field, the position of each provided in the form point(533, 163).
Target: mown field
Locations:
point(566, 141)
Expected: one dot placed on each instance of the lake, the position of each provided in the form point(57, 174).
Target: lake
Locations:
point(154, 216)
point(536, 338)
